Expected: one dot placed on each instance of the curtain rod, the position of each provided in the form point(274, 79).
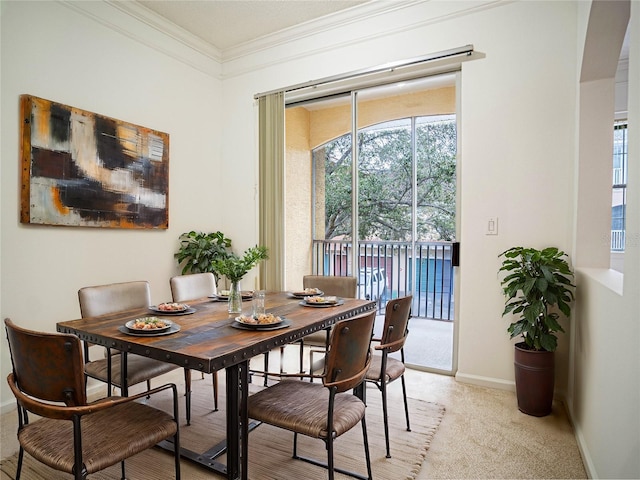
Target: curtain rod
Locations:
point(466, 50)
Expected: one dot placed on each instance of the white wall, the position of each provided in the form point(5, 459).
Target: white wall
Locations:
point(518, 108)
point(519, 130)
point(58, 53)
point(519, 145)
point(605, 388)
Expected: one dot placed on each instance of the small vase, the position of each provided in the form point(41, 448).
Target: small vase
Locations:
point(235, 298)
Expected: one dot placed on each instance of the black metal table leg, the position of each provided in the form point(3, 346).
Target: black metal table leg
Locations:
point(236, 443)
point(233, 422)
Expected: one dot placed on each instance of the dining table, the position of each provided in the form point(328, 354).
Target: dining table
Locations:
point(207, 338)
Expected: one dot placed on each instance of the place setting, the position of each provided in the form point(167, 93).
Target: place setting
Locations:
point(307, 292)
point(149, 327)
point(263, 321)
point(154, 326)
point(320, 301)
point(223, 296)
point(172, 308)
point(259, 318)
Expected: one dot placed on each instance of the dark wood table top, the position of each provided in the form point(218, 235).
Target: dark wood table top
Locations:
point(206, 340)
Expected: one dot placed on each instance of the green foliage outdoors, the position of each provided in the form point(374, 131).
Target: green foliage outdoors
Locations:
point(535, 282)
point(385, 181)
point(234, 267)
point(198, 251)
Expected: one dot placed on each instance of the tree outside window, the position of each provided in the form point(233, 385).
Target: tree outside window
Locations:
point(385, 180)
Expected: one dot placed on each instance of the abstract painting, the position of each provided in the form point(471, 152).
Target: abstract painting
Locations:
point(84, 169)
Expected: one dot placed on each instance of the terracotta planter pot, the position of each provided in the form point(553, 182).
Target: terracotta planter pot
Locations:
point(535, 378)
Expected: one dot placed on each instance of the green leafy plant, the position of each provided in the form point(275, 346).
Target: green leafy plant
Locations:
point(199, 250)
point(536, 281)
point(234, 267)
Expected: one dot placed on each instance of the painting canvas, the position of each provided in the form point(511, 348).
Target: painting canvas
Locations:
point(84, 169)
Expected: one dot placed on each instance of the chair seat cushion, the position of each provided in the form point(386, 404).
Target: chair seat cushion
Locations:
point(302, 407)
point(316, 339)
point(139, 369)
point(395, 369)
point(51, 441)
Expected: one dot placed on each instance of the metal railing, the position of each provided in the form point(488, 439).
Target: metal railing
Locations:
point(391, 269)
point(619, 176)
point(617, 240)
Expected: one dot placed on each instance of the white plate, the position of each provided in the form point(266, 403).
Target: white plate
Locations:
point(243, 320)
point(302, 293)
point(179, 307)
point(141, 331)
point(319, 300)
point(304, 303)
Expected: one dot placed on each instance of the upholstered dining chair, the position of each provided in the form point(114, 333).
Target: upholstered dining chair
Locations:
point(70, 434)
point(113, 298)
point(344, 287)
point(385, 369)
point(324, 410)
point(195, 286)
point(339, 286)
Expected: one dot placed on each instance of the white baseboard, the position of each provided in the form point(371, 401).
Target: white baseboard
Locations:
point(489, 382)
point(587, 460)
point(584, 453)
point(7, 407)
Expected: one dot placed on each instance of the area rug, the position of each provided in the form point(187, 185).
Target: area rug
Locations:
point(270, 447)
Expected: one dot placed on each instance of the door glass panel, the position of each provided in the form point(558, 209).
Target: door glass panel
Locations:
point(332, 188)
point(384, 207)
point(436, 178)
point(406, 190)
point(436, 141)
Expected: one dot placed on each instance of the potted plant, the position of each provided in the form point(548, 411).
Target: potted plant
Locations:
point(198, 251)
point(234, 268)
point(537, 284)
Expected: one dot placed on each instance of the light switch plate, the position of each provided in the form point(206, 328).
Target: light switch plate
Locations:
point(492, 226)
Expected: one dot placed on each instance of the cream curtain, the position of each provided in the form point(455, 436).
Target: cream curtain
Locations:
point(271, 188)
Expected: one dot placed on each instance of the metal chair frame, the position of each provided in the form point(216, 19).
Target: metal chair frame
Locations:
point(346, 287)
point(394, 336)
point(135, 294)
point(348, 361)
point(51, 384)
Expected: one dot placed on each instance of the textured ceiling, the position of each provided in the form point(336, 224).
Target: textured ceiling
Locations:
point(227, 23)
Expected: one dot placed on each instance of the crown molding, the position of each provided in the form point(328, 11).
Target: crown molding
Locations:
point(158, 22)
point(238, 65)
point(317, 26)
point(147, 27)
point(144, 26)
point(360, 13)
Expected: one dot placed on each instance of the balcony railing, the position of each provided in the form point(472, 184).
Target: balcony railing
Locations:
point(391, 269)
point(617, 240)
point(619, 176)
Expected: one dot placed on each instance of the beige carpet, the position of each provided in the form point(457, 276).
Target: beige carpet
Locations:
point(270, 447)
point(485, 436)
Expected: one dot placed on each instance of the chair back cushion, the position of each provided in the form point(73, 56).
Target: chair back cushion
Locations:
point(112, 298)
point(396, 320)
point(349, 353)
point(191, 287)
point(47, 366)
point(346, 287)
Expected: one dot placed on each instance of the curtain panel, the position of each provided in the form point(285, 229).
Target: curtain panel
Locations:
point(271, 130)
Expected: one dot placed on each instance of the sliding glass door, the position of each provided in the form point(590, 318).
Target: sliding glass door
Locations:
point(398, 198)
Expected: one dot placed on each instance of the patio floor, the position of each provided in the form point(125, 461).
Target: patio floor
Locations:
point(429, 344)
